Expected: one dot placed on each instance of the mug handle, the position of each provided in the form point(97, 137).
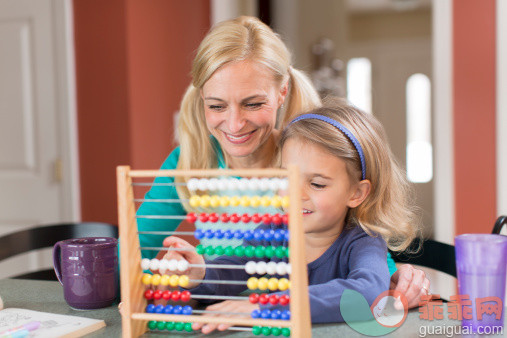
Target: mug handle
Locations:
point(57, 261)
point(500, 222)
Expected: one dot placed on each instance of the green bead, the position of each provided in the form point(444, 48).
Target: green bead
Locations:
point(279, 252)
point(276, 331)
point(286, 332)
point(169, 326)
point(249, 251)
point(188, 327)
point(161, 325)
point(199, 249)
point(209, 250)
point(179, 326)
point(287, 253)
point(152, 325)
point(219, 250)
point(239, 251)
point(259, 251)
point(266, 330)
point(256, 330)
point(269, 252)
point(229, 251)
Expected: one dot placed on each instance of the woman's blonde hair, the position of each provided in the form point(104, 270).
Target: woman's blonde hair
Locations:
point(243, 38)
point(388, 210)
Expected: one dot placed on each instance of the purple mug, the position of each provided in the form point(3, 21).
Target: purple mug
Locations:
point(88, 270)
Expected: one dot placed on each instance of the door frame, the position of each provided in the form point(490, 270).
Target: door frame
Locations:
point(501, 106)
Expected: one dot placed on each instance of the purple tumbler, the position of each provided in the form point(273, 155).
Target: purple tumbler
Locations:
point(481, 262)
point(88, 270)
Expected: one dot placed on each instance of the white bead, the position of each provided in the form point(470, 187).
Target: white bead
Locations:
point(243, 184)
point(213, 184)
point(251, 267)
point(284, 184)
point(145, 264)
point(173, 265)
point(254, 184)
point(203, 184)
point(163, 266)
point(273, 184)
point(182, 265)
point(222, 184)
point(271, 268)
point(264, 184)
point(261, 268)
point(232, 184)
point(192, 184)
point(281, 268)
point(154, 264)
point(289, 270)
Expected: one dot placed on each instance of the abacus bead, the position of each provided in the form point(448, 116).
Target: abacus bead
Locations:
point(245, 201)
point(169, 326)
point(182, 265)
point(245, 218)
point(209, 233)
point(284, 184)
point(258, 234)
point(214, 201)
point(222, 184)
point(253, 183)
point(276, 331)
point(261, 267)
point(234, 201)
point(256, 330)
point(168, 309)
point(175, 295)
point(224, 201)
point(281, 268)
point(205, 200)
point(160, 326)
point(256, 313)
point(284, 300)
point(271, 267)
point(285, 201)
point(248, 235)
point(155, 279)
point(277, 219)
point(252, 283)
point(146, 279)
point(265, 201)
point(152, 325)
point(203, 217)
point(159, 308)
point(213, 217)
point(273, 184)
point(235, 218)
point(192, 184)
point(249, 250)
point(150, 308)
point(185, 296)
point(273, 284)
point(264, 298)
point(191, 217)
point(228, 234)
point(274, 299)
point(289, 269)
point(202, 184)
point(173, 263)
point(148, 294)
point(173, 280)
point(269, 252)
point(242, 184)
point(255, 201)
point(266, 219)
point(177, 310)
point(145, 264)
point(219, 234)
point(287, 235)
point(259, 251)
point(225, 217)
point(283, 284)
point(199, 234)
point(157, 294)
point(263, 283)
point(285, 315)
point(269, 234)
point(238, 234)
point(265, 314)
point(183, 281)
point(164, 280)
point(199, 249)
point(195, 201)
point(209, 250)
point(239, 251)
point(256, 218)
point(287, 252)
point(229, 251)
point(179, 326)
point(276, 314)
point(166, 295)
point(219, 250)
point(279, 252)
point(250, 267)
point(188, 327)
point(266, 330)
point(285, 219)
point(253, 298)
point(232, 183)
point(187, 310)
point(213, 184)
point(278, 236)
point(164, 266)
point(276, 201)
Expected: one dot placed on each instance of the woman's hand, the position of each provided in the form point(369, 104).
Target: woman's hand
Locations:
point(411, 282)
point(190, 256)
point(226, 306)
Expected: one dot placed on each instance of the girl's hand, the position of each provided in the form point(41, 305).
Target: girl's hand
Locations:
point(190, 256)
point(412, 283)
point(227, 306)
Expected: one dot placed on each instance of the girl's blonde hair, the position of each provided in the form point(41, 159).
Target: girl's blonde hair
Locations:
point(243, 38)
point(389, 209)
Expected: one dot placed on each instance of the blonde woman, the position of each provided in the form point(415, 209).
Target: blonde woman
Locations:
point(243, 92)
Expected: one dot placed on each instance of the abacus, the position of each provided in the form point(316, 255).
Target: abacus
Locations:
point(138, 316)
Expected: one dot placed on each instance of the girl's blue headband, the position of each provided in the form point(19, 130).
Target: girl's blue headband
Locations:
point(344, 130)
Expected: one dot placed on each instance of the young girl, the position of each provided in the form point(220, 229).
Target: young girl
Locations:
point(355, 205)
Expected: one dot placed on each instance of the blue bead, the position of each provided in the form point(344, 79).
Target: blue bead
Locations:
point(209, 233)
point(276, 314)
point(228, 234)
point(256, 314)
point(159, 308)
point(219, 234)
point(177, 310)
point(168, 309)
point(238, 234)
point(279, 235)
point(265, 314)
point(187, 310)
point(269, 234)
point(287, 234)
point(150, 308)
point(249, 235)
point(198, 234)
point(285, 315)
point(259, 234)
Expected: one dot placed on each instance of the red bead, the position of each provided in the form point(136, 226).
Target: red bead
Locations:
point(166, 295)
point(175, 295)
point(264, 298)
point(285, 219)
point(284, 299)
point(277, 219)
point(157, 294)
point(191, 217)
point(148, 294)
point(185, 296)
point(274, 299)
point(203, 217)
point(235, 218)
point(253, 298)
point(266, 219)
point(213, 217)
point(245, 218)
point(256, 218)
point(225, 218)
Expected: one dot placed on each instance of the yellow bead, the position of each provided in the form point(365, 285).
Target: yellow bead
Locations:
point(205, 201)
point(283, 284)
point(255, 201)
point(252, 283)
point(224, 201)
point(285, 201)
point(164, 280)
point(146, 279)
point(276, 201)
point(263, 283)
point(235, 201)
point(265, 201)
point(273, 284)
point(155, 279)
point(195, 201)
point(245, 201)
point(214, 201)
point(184, 280)
point(173, 280)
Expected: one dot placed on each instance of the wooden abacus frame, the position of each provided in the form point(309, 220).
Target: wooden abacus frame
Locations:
point(134, 318)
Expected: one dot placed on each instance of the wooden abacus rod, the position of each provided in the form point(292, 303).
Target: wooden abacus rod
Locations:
point(211, 319)
point(210, 172)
